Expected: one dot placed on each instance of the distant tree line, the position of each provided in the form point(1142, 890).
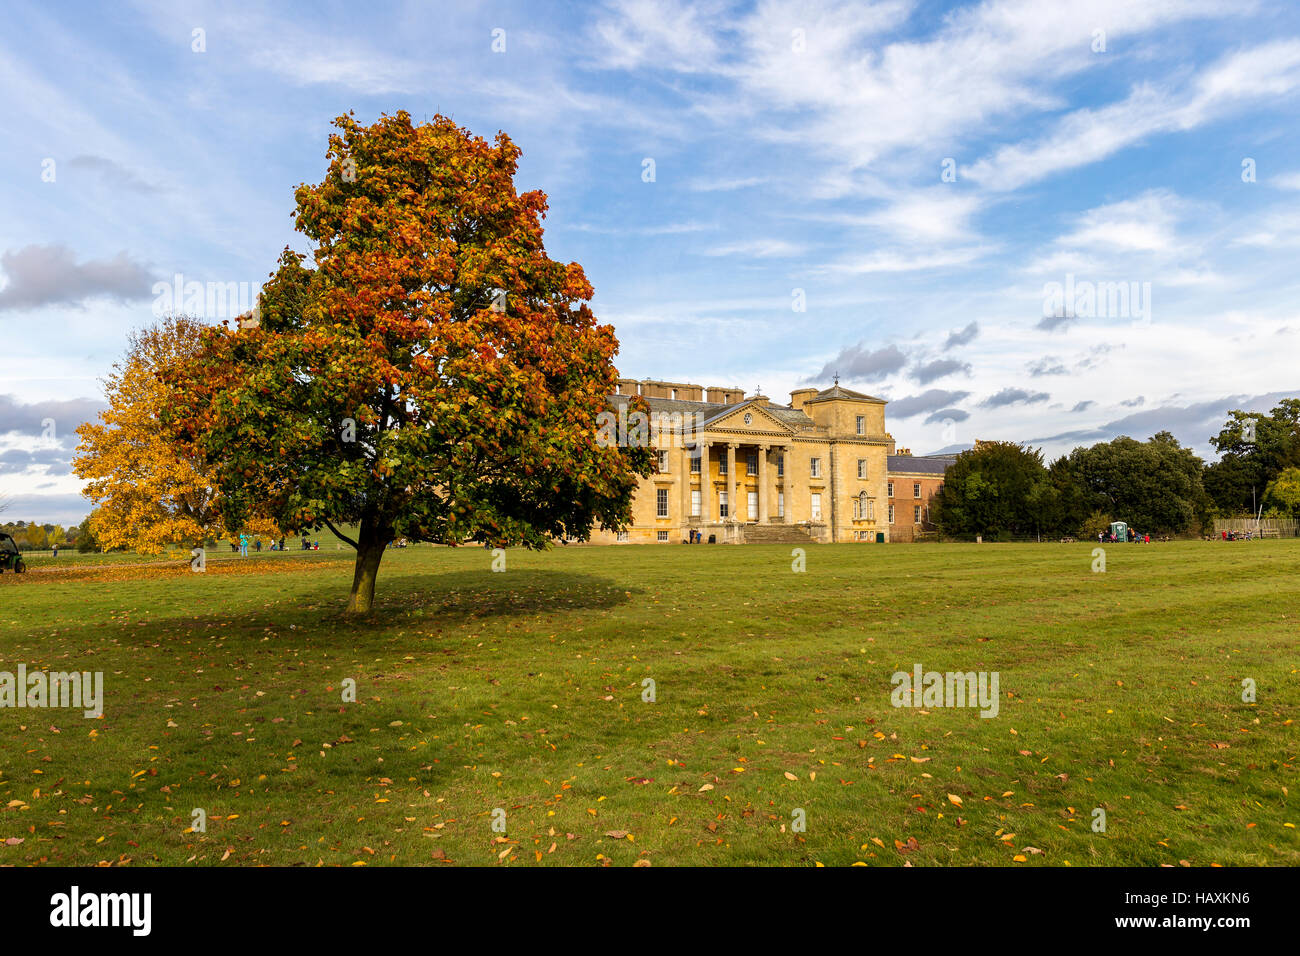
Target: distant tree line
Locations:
point(1001, 490)
point(32, 536)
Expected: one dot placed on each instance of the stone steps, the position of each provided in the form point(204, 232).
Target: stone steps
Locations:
point(777, 534)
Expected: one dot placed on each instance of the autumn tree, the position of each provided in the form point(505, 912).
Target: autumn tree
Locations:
point(35, 537)
point(431, 374)
point(150, 490)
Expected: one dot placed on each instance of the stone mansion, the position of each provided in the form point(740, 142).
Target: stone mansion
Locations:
point(741, 469)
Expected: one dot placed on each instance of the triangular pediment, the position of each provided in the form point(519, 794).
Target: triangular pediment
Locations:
point(761, 421)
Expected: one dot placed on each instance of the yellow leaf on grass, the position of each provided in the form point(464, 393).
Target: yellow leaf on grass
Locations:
point(954, 799)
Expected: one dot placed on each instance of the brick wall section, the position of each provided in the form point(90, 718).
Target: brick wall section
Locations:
point(916, 480)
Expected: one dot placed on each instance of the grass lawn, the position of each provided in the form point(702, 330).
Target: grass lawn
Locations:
point(523, 691)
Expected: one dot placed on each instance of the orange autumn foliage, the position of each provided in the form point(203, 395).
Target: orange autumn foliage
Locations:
point(150, 491)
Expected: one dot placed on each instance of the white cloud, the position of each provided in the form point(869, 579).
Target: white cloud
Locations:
point(937, 214)
point(1088, 135)
point(624, 229)
point(667, 34)
point(901, 261)
point(725, 185)
point(757, 249)
point(1146, 223)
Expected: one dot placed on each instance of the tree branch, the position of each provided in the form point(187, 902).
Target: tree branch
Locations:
point(340, 535)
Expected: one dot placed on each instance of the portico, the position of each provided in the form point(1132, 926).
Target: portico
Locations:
point(733, 480)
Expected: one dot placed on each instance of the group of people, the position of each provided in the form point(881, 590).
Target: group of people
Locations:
point(256, 542)
point(1104, 537)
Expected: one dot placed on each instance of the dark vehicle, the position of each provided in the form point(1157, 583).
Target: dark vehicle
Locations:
point(9, 555)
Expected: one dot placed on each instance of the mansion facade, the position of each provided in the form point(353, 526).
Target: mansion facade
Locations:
point(734, 468)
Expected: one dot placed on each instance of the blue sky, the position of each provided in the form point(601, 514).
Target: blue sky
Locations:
point(917, 174)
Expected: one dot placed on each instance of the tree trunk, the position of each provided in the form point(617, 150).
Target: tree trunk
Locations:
point(370, 551)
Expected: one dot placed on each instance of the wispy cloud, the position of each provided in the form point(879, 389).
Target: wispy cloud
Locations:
point(963, 336)
point(1088, 135)
point(932, 400)
point(927, 372)
point(1014, 396)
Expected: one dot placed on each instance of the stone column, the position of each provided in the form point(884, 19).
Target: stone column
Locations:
point(784, 481)
point(706, 482)
point(762, 484)
point(686, 487)
point(731, 480)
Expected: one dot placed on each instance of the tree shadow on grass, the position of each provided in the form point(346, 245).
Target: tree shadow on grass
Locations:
point(315, 616)
point(457, 597)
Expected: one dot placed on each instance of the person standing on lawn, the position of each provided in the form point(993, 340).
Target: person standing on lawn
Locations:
point(243, 545)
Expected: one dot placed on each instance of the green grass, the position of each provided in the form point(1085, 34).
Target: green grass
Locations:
point(522, 691)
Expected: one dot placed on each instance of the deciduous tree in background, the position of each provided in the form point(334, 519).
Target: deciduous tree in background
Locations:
point(150, 490)
point(1254, 449)
point(1283, 493)
point(433, 375)
point(1153, 485)
point(995, 489)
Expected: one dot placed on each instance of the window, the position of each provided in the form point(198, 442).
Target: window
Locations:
point(695, 504)
point(780, 504)
point(662, 454)
point(722, 504)
point(751, 463)
point(862, 425)
point(862, 468)
point(891, 514)
point(916, 515)
point(661, 503)
point(722, 465)
point(815, 468)
point(816, 506)
point(862, 506)
point(673, 394)
point(891, 489)
point(695, 461)
point(871, 510)
point(661, 535)
point(753, 506)
point(916, 489)
point(780, 466)
point(621, 536)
